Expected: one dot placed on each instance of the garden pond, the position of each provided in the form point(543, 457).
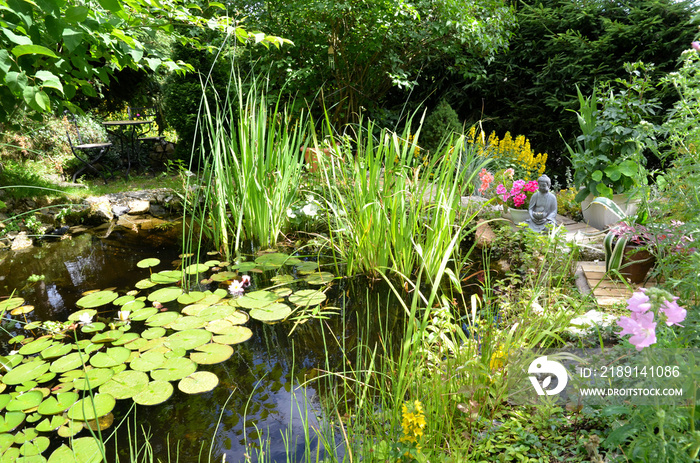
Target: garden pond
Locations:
point(220, 367)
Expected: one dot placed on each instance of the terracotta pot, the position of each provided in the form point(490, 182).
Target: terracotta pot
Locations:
point(636, 263)
point(311, 156)
point(598, 216)
point(517, 215)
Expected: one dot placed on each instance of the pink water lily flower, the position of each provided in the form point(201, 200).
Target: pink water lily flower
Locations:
point(245, 281)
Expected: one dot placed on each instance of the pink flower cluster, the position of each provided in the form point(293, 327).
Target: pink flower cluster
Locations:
point(518, 192)
point(640, 324)
point(486, 178)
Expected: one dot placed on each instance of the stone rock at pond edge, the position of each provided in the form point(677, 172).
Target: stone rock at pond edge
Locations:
point(101, 210)
point(120, 210)
point(582, 325)
point(138, 206)
point(22, 241)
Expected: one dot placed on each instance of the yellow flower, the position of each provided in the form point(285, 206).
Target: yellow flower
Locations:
point(412, 422)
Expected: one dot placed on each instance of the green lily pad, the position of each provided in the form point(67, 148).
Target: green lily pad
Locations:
point(93, 327)
point(224, 276)
point(198, 382)
point(191, 297)
point(136, 344)
point(216, 312)
point(70, 429)
point(174, 369)
point(110, 358)
point(155, 344)
point(26, 386)
point(148, 361)
point(25, 401)
point(52, 423)
point(124, 299)
point(210, 354)
point(69, 362)
point(31, 451)
point(307, 298)
point(282, 292)
point(143, 313)
point(11, 303)
point(128, 337)
point(57, 350)
point(152, 333)
point(97, 299)
point(277, 259)
point(46, 377)
point(282, 279)
point(28, 372)
point(196, 268)
point(133, 306)
point(146, 283)
point(85, 450)
point(26, 435)
point(257, 299)
point(194, 309)
point(11, 455)
point(91, 407)
point(36, 346)
point(217, 326)
point(6, 440)
point(107, 336)
point(93, 378)
point(166, 294)
point(4, 400)
point(22, 310)
point(188, 339)
point(187, 323)
point(55, 404)
point(162, 318)
point(126, 384)
point(233, 335)
point(320, 278)
point(271, 313)
point(156, 392)
point(10, 420)
point(75, 316)
point(166, 277)
point(245, 266)
point(146, 263)
point(307, 266)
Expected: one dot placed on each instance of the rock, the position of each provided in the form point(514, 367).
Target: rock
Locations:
point(21, 241)
point(120, 210)
point(101, 211)
point(582, 325)
point(138, 206)
point(484, 234)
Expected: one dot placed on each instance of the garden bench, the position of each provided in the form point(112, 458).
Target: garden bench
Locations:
point(91, 152)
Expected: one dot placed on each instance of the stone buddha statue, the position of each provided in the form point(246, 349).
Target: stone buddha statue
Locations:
point(543, 206)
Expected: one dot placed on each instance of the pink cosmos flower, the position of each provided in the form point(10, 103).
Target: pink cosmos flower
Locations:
point(642, 328)
point(674, 313)
point(638, 303)
point(696, 45)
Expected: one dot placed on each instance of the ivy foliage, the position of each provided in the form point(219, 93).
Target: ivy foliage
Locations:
point(53, 50)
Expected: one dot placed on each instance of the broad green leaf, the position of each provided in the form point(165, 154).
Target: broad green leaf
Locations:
point(110, 358)
point(76, 14)
point(146, 263)
point(164, 295)
point(10, 420)
point(91, 407)
point(36, 346)
point(93, 378)
point(155, 392)
point(174, 369)
point(162, 318)
point(27, 372)
point(233, 335)
point(96, 299)
point(84, 450)
point(307, 298)
point(72, 38)
point(209, 354)
point(198, 382)
point(25, 401)
point(271, 313)
point(188, 339)
point(21, 50)
point(53, 405)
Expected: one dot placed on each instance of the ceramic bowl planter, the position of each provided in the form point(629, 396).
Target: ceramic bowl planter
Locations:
point(598, 216)
point(516, 215)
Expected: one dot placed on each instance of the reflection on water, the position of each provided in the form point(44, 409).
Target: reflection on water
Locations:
point(258, 399)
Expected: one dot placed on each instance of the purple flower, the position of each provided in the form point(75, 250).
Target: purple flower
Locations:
point(638, 303)
point(642, 328)
point(696, 45)
point(674, 313)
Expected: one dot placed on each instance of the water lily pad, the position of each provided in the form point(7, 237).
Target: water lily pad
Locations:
point(282, 279)
point(4, 400)
point(29, 371)
point(188, 339)
point(25, 401)
point(146, 263)
point(97, 299)
point(233, 335)
point(36, 346)
point(164, 295)
point(55, 404)
point(174, 369)
point(216, 312)
point(307, 266)
point(101, 423)
point(175, 353)
point(271, 313)
point(93, 327)
point(210, 354)
point(320, 278)
point(70, 429)
point(307, 297)
point(193, 309)
point(11, 303)
point(52, 423)
point(277, 259)
point(69, 362)
point(187, 323)
point(257, 299)
point(156, 392)
point(91, 407)
point(191, 297)
point(143, 313)
point(282, 292)
point(85, 450)
point(22, 310)
point(148, 361)
point(93, 378)
point(123, 299)
point(166, 277)
point(224, 276)
point(26, 435)
point(136, 344)
point(75, 316)
point(56, 350)
point(133, 306)
point(196, 268)
point(110, 358)
point(107, 336)
point(128, 337)
point(126, 384)
point(246, 266)
point(10, 420)
point(198, 382)
point(147, 283)
point(31, 451)
point(46, 377)
point(162, 318)
point(153, 344)
point(152, 333)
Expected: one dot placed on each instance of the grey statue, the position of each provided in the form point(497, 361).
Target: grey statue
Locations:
point(543, 206)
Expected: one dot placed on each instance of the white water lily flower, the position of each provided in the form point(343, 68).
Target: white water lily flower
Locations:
point(245, 281)
point(236, 288)
point(85, 319)
point(123, 315)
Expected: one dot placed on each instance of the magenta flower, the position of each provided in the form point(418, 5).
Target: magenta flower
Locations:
point(519, 200)
point(531, 186)
point(517, 187)
point(674, 313)
point(696, 45)
point(501, 190)
point(642, 328)
point(638, 303)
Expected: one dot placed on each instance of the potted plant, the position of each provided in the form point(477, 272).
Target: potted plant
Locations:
point(514, 196)
point(608, 159)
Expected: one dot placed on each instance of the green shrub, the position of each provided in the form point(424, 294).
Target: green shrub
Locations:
point(441, 123)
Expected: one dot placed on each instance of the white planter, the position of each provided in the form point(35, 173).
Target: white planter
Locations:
point(517, 215)
point(598, 216)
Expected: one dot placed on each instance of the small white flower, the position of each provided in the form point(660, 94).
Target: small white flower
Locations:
point(290, 213)
point(85, 319)
point(310, 209)
point(236, 288)
point(13, 352)
point(123, 315)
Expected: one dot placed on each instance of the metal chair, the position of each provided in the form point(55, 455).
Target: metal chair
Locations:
point(93, 152)
point(147, 113)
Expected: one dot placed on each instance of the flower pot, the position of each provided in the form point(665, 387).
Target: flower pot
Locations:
point(598, 216)
point(517, 215)
point(636, 263)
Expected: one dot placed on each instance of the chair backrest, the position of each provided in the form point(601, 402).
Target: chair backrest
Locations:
point(138, 113)
point(73, 119)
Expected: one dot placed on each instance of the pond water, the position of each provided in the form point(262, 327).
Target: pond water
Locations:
point(258, 399)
